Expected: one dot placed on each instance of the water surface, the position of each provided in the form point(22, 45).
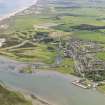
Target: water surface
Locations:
point(8, 6)
point(52, 86)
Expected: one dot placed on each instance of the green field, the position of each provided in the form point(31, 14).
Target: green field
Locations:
point(101, 88)
point(72, 22)
point(101, 55)
point(67, 66)
point(90, 36)
point(12, 98)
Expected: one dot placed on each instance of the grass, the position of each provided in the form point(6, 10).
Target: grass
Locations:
point(100, 55)
point(90, 36)
point(11, 98)
point(22, 29)
point(81, 20)
point(40, 53)
point(27, 22)
point(67, 66)
point(27, 69)
point(101, 88)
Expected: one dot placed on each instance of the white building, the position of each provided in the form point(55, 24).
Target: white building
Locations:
point(2, 41)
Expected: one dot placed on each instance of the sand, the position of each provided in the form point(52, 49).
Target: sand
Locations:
point(17, 11)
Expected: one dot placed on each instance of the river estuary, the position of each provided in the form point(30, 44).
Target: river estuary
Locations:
point(53, 87)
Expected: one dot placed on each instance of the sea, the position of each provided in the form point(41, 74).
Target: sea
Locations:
point(9, 6)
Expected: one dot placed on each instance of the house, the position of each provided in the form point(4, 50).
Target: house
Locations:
point(2, 41)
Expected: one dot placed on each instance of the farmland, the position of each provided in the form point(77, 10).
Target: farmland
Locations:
point(42, 33)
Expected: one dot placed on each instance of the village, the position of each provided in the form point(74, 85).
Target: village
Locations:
point(50, 38)
point(86, 63)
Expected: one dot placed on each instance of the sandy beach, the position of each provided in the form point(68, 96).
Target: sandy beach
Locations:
point(17, 11)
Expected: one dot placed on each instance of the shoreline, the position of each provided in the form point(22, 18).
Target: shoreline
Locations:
point(17, 11)
point(31, 97)
point(36, 100)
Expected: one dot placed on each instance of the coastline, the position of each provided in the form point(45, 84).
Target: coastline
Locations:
point(31, 97)
point(36, 100)
point(27, 95)
point(17, 11)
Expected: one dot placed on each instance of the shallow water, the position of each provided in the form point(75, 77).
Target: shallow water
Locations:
point(52, 86)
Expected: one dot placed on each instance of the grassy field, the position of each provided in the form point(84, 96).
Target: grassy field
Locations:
point(101, 88)
point(40, 53)
point(90, 36)
point(12, 98)
point(67, 66)
point(71, 22)
point(101, 55)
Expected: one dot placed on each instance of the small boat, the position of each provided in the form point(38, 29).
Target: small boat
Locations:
point(77, 83)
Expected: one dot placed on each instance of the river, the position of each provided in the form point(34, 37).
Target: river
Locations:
point(51, 86)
